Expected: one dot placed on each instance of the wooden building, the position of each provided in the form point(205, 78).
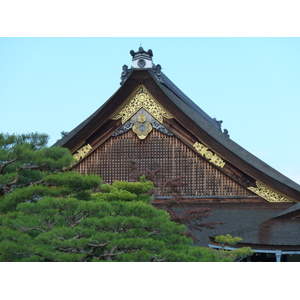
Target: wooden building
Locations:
point(151, 123)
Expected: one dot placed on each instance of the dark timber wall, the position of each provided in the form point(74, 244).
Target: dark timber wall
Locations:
point(112, 162)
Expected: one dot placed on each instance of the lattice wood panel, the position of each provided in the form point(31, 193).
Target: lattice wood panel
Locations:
point(111, 162)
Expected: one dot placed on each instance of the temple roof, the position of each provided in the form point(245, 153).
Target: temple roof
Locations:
point(291, 212)
point(192, 116)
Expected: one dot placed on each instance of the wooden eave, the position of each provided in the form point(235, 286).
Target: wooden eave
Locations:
point(187, 124)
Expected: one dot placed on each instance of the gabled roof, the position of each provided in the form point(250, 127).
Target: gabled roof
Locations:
point(292, 212)
point(188, 115)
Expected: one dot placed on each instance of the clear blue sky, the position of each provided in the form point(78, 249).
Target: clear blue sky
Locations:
point(51, 85)
point(252, 84)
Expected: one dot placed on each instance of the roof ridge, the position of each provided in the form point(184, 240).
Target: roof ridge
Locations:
point(165, 80)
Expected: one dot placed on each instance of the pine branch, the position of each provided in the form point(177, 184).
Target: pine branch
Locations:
point(154, 259)
point(7, 163)
point(98, 245)
point(8, 186)
point(155, 232)
point(30, 229)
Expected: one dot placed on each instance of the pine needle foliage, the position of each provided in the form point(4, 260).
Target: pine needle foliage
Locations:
point(50, 214)
point(104, 228)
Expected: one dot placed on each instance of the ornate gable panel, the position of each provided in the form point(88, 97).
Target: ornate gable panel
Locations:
point(141, 98)
point(113, 160)
point(148, 103)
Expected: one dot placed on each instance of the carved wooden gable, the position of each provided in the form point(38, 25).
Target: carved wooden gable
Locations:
point(149, 123)
point(143, 143)
point(124, 153)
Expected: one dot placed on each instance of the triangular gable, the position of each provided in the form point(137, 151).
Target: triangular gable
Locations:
point(175, 113)
point(142, 99)
point(125, 152)
point(157, 147)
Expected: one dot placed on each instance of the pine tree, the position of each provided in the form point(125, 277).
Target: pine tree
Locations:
point(25, 158)
point(49, 213)
point(116, 224)
point(237, 254)
point(29, 169)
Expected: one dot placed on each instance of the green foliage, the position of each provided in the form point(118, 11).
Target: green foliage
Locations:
point(233, 255)
point(80, 186)
point(28, 194)
point(121, 195)
point(106, 228)
point(66, 184)
point(127, 191)
point(51, 214)
point(29, 171)
point(73, 181)
point(106, 188)
point(25, 159)
point(20, 154)
point(227, 239)
point(134, 187)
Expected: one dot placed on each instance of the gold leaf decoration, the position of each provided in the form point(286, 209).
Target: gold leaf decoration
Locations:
point(82, 152)
point(268, 194)
point(142, 129)
point(207, 153)
point(142, 99)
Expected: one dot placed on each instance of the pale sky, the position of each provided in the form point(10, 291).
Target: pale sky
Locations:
point(51, 85)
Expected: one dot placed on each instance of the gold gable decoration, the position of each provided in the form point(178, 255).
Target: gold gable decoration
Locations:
point(208, 154)
point(142, 99)
point(141, 128)
point(268, 194)
point(82, 152)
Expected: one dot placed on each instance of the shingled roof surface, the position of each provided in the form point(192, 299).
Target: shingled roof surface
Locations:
point(164, 80)
point(262, 226)
point(252, 222)
point(271, 234)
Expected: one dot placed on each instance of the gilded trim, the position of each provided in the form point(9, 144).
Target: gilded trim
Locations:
point(207, 153)
point(82, 152)
point(142, 99)
point(268, 194)
point(142, 130)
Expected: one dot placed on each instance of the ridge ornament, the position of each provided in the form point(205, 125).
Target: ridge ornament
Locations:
point(142, 99)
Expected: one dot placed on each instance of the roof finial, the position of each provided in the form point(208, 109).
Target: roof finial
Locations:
point(142, 59)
